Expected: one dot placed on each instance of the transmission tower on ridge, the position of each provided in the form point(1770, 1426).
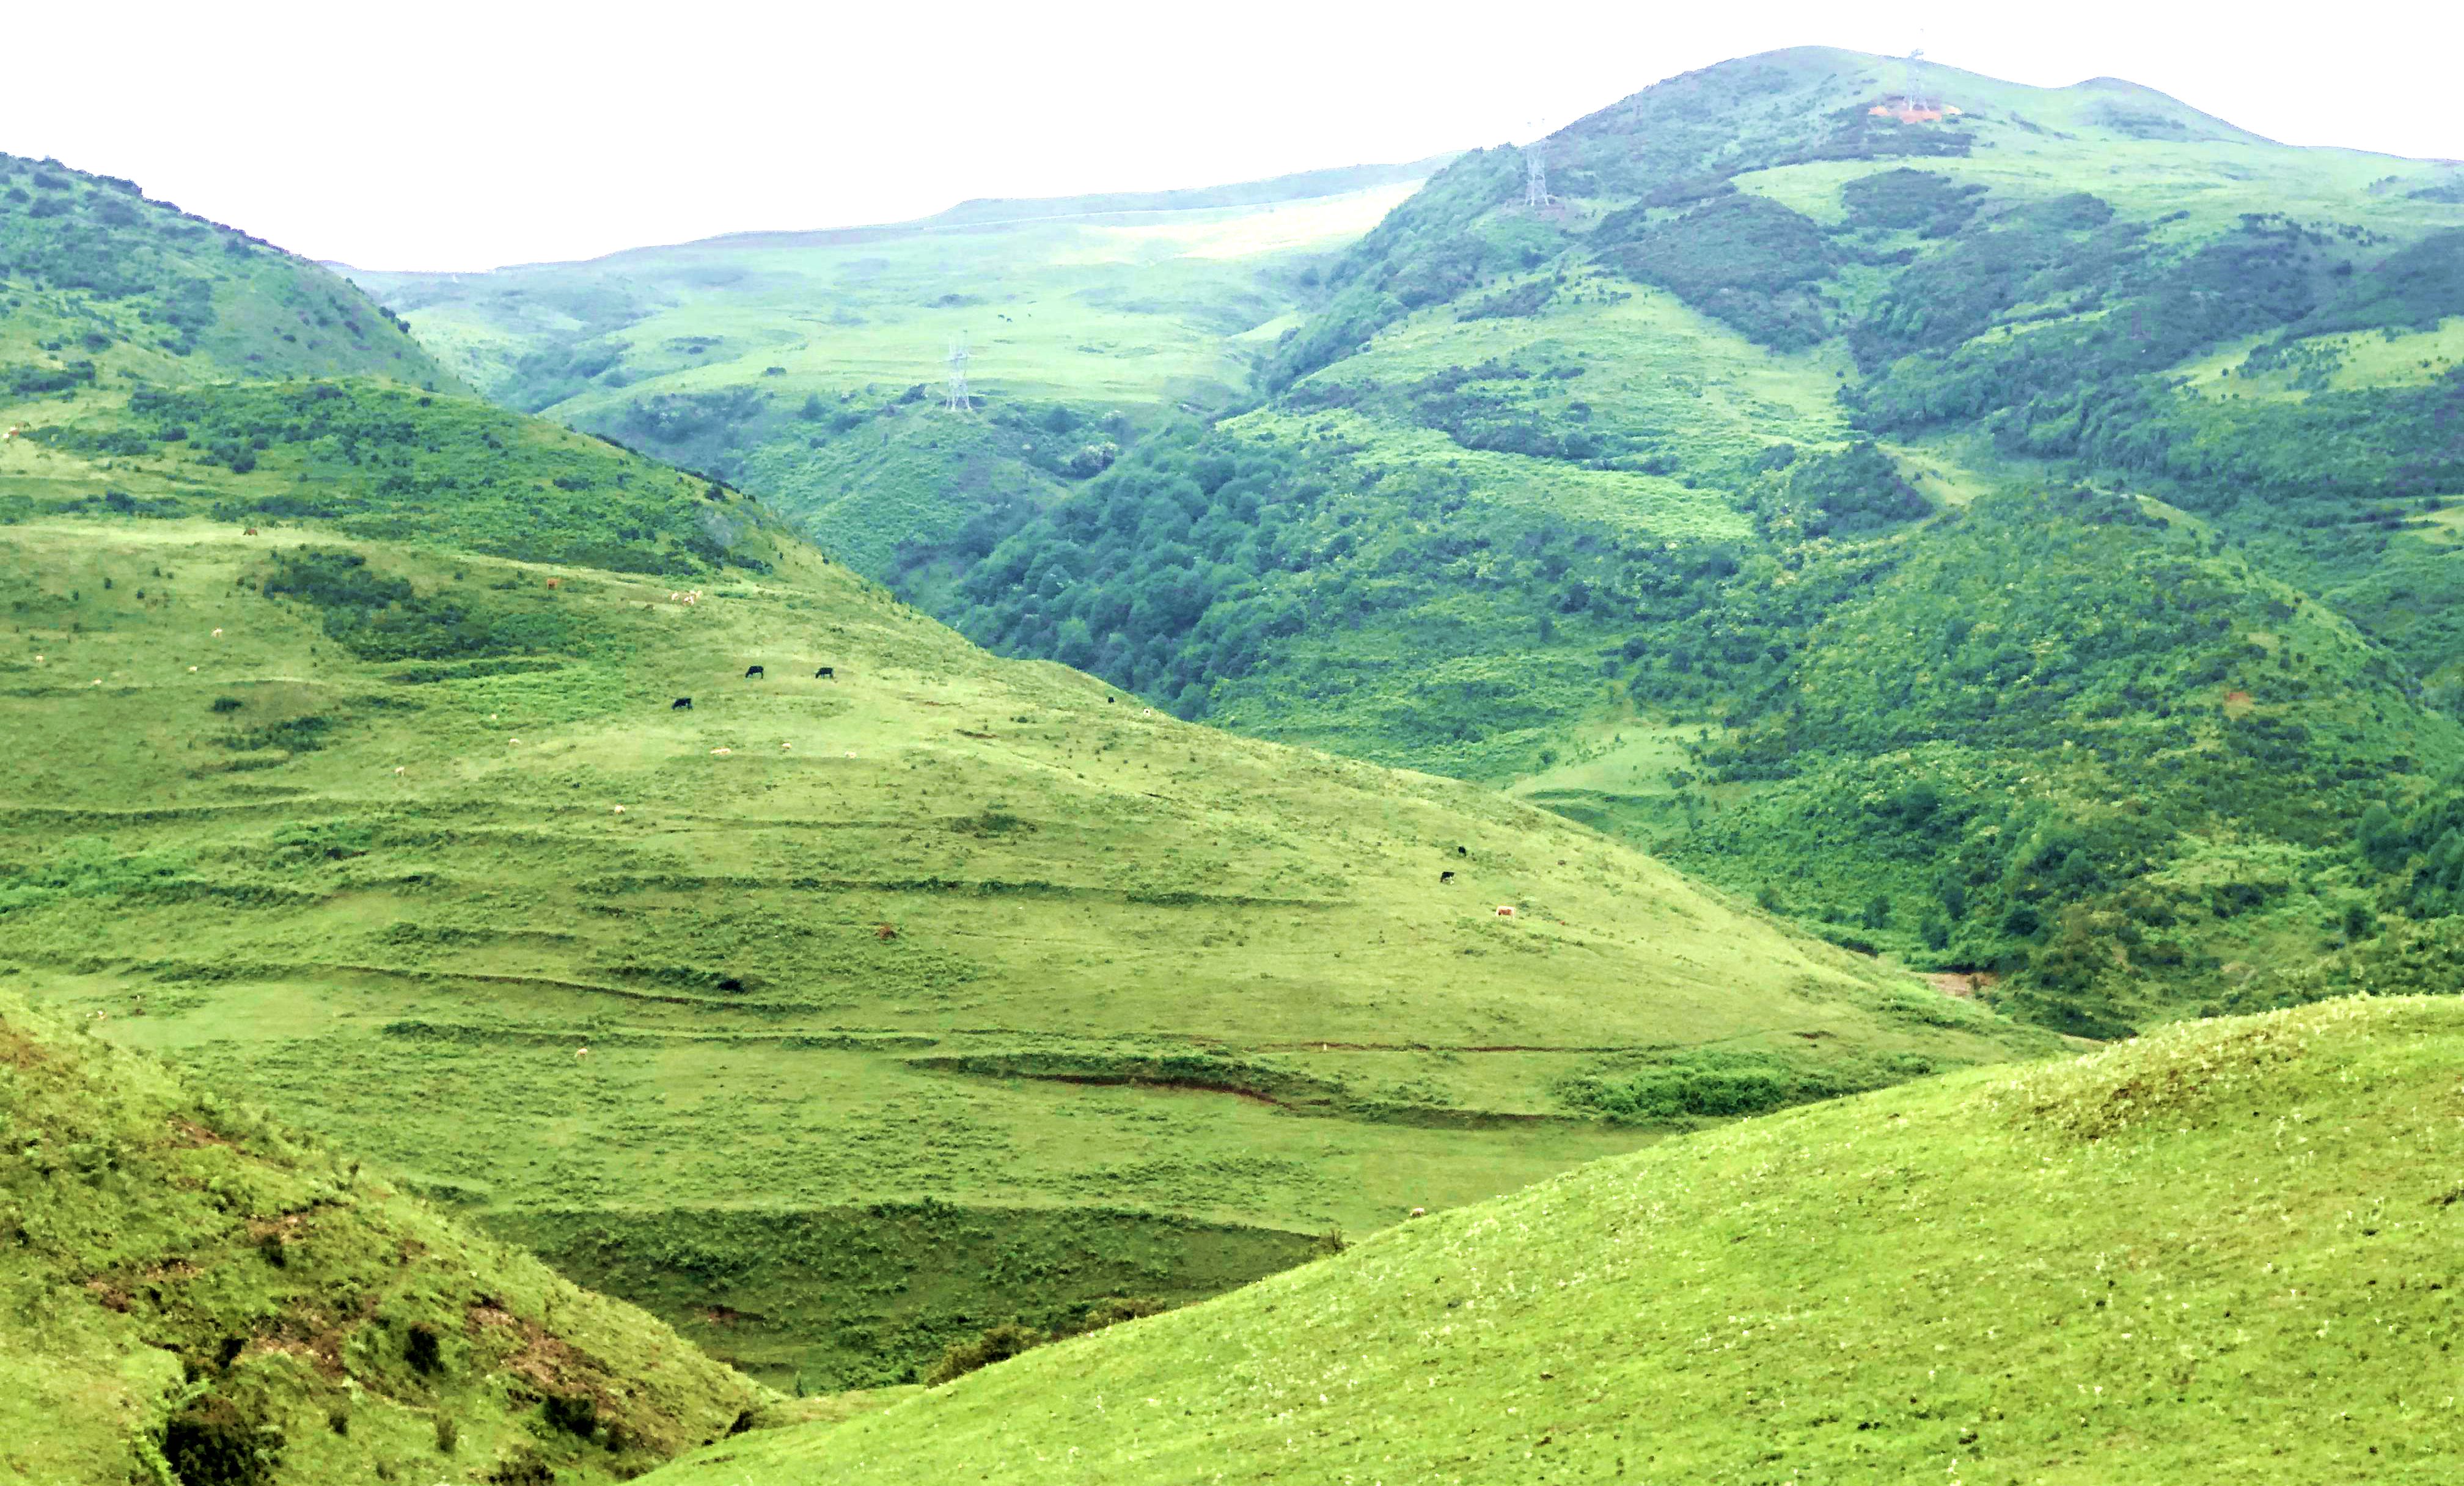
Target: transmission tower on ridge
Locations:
point(959, 403)
point(1535, 179)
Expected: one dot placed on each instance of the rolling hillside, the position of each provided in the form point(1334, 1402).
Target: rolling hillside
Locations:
point(2224, 1253)
point(2115, 444)
point(193, 1291)
point(805, 366)
point(835, 1017)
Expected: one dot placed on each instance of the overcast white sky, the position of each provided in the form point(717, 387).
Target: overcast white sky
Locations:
point(453, 135)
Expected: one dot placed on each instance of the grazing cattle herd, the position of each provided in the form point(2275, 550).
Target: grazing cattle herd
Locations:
point(753, 672)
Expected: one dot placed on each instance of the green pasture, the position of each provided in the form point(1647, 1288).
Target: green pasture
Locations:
point(939, 943)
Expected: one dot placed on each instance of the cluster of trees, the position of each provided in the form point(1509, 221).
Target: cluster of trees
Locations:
point(2419, 854)
point(1148, 576)
point(1746, 260)
point(379, 616)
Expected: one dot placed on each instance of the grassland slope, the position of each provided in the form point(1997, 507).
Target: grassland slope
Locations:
point(890, 994)
point(190, 1292)
point(2224, 1252)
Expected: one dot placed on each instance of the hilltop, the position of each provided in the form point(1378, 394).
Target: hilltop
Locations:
point(2224, 1252)
point(106, 286)
point(861, 1005)
point(194, 1289)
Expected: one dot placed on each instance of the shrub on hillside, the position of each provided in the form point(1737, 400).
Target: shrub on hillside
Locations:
point(209, 1442)
point(422, 1349)
point(576, 1415)
point(1904, 200)
point(996, 1344)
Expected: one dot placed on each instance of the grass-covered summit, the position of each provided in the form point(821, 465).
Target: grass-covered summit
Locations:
point(2225, 1251)
point(192, 1292)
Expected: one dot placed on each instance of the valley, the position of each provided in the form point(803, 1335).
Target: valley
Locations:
point(1456, 829)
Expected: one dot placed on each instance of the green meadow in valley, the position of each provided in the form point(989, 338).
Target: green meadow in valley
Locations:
point(2226, 1252)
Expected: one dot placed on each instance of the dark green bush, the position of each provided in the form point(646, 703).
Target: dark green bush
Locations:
point(210, 1444)
point(997, 1343)
point(576, 1415)
point(1721, 1084)
point(524, 1467)
point(422, 1349)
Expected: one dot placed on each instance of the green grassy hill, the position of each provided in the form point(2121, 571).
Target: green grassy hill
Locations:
point(2226, 1252)
point(934, 992)
point(1637, 504)
point(192, 1293)
point(100, 287)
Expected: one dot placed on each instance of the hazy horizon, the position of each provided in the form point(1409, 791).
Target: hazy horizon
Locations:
point(478, 138)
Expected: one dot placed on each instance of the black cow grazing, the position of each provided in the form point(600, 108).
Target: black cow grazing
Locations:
point(1446, 877)
point(826, 673)
point(1462, 852)
point(682, 704)
point(753, 673)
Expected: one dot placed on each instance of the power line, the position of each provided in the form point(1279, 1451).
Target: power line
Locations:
point(1535, 179)
point(959, 402)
